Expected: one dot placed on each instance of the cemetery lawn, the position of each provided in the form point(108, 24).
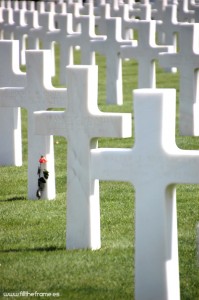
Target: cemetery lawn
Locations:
point(33, 257)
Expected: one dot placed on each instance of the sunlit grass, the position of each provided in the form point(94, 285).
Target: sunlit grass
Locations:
point(32, 233)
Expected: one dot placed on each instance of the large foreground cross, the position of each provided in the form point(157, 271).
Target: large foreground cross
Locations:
point(154, 166)
point(81, 124)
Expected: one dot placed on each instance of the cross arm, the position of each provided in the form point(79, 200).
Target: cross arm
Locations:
point(112, 124)
point(56, 97)
point(169, 60)
point(129, 51)
point(110, 164)
point(99, 45)
point(12, 97)
point(186, 166)
point(50, 123)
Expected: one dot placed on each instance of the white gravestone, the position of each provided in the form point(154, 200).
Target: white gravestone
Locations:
point(38, 35)
point(23, 5)
point(157, 8)
point(8, 24)
point(58, 35)
point(184, 14)
point(194, 7)
point(142, 11)
point(38, 94)
point(83, 39)
point(10, 118)
point(60, 8)
point(81, 124)
point(104, 14)
point(20, 35)
point(167, 29)
point(187, 62)
point(168, 26)
point(29, 20)
point(87, 9)
point(123, 13)
point(154, 166)
point(110, 48)
point(74, 9)
point(32, 18)
point(145, 52)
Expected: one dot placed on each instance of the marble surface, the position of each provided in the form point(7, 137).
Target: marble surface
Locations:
point(82, 123)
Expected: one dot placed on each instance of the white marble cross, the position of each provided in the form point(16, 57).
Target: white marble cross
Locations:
point(167, 29)
point(28, 19)
point(187, 62)
point(83, 39)
point(140, 10)
point(38, 94)
point(154, 166)
point(58, 35)
point(104, 12)
point(110, 47)
point(82, 123)
point(74, 9)
point(145, 52)
point(7, 25)
point(184, 14)
point(194, 8)
point(168, 26)
point(10, 118)
point(20, 32)
point(38, 34)
point(11, 75)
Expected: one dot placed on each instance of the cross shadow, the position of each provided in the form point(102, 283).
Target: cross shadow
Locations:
point(39, 249)
point(13, 199)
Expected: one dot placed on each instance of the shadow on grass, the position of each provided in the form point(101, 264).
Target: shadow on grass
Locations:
point(14, 199)
point(39, 249)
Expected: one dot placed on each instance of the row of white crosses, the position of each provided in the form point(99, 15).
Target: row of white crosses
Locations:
point(68, 39)
point(154, 166)
point(155, 159)
point(10, 118)
point(187, 9)
point(34, 93)
point(146, 45)
point(90, 42)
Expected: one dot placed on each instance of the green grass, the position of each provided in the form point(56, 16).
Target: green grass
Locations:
point(32, 233)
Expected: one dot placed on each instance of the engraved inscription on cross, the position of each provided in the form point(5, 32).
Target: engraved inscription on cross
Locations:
point(82, 123)
point(187, 62)
point(154, 166)
point(38, 94)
